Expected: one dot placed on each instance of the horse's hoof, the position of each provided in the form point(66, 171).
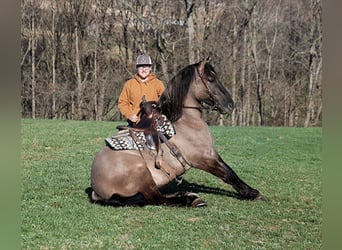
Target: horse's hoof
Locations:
point(198, 202)
point(194, 200)
point(95, 196)
point(260, 197)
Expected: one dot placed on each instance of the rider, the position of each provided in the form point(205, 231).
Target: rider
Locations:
point(144, 83)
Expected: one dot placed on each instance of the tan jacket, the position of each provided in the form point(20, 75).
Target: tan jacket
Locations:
point(134, 89)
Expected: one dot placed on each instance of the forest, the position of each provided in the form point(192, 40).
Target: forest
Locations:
point(76, 55)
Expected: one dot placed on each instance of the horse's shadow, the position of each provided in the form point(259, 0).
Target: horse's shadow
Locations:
point(177, 186)
point(183, 185)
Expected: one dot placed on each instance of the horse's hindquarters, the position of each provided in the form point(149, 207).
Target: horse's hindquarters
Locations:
point(115, 172)
point(124, 173)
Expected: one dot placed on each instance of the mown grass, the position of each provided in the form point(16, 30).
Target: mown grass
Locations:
point(283, 163)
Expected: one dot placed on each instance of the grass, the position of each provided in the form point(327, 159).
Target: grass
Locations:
point(285, 164)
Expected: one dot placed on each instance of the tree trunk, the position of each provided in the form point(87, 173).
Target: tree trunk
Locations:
point(33, 66)
point(200, 24)
point(234, 53)
point(191, 30)
point(243, 80)
point(164, 66)
point(248, 105)
point(315, 61)
point(78, 75)
point(310, 104)
point(72, 101)
point(53, 108)
point(273, 105)
point(259, 87)
point(259, 99)
point(99, 98)
point(95, 84)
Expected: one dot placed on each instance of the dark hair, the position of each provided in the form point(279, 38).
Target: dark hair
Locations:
point(171, 101)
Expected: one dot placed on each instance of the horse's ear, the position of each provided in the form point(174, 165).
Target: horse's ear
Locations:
point(202, 64)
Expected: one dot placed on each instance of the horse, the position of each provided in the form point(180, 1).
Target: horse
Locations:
point(130, 177)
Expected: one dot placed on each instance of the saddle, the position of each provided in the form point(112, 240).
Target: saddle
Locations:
point(153, 129)
point(147, 125)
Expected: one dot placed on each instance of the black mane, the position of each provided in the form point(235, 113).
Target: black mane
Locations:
point(171, 101)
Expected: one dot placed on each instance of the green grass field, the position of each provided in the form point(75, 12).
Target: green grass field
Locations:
point(285, 164)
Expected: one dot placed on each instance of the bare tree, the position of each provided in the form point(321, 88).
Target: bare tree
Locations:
point(315, 61)
point(33, 7)
point(76, 55)
point(234, 67)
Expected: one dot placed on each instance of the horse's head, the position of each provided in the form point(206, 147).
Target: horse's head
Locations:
point(192, 87)
point(212, 92)
point(146, 107)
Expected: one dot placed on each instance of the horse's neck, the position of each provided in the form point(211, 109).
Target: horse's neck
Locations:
point(192, 117)
point(192, 121)
point(192, 109)
point(192, 132)
point(192, 112)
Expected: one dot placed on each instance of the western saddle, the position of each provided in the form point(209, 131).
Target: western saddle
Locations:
point(149, 117)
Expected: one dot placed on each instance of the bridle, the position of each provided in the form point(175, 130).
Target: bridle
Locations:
point(202, 107)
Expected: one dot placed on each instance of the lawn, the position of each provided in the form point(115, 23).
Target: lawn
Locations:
point(285, 164)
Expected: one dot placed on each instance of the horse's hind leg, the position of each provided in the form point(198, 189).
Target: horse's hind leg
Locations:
point(154, 197)
point(95, 197)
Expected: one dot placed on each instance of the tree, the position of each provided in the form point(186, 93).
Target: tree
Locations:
point(315, 64)
point(76, 55)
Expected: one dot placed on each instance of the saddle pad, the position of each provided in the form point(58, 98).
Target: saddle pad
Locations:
point(165, 127)
point(123, 141)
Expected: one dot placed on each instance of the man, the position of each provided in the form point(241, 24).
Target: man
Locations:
point(144, 83)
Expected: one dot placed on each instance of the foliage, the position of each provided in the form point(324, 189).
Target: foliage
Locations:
point(283, 163)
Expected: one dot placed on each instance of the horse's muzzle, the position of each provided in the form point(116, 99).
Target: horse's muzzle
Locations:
point(226, 109)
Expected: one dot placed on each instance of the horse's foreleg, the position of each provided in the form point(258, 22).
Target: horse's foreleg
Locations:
point(154, 197)
point(220, 169)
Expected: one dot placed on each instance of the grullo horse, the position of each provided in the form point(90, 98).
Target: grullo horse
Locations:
point(130, 177)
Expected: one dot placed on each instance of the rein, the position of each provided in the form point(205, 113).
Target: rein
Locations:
point(194, 107)
point(201, 108)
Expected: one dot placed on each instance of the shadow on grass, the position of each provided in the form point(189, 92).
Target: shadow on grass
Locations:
point(173, 187)
point(137, 200)
point(185, 186)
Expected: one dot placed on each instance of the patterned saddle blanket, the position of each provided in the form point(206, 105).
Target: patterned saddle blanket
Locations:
point(122, 140)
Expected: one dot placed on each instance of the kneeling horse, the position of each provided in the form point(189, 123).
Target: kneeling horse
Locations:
point(124, 177)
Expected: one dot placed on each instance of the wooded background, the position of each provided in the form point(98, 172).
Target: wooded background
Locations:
point(76, 55)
